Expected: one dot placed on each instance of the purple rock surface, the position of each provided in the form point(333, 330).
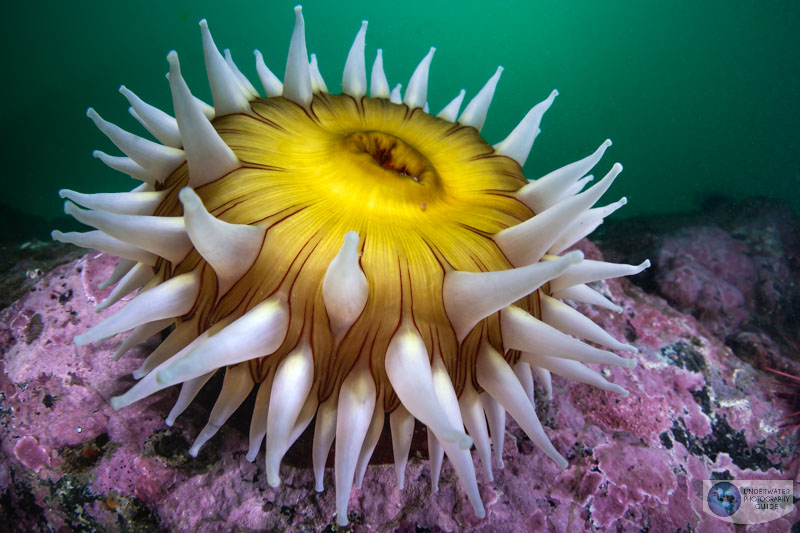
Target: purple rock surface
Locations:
point(705, 271)
point(695, 412)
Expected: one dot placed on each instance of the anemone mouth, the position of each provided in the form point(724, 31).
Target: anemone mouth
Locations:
point(349, 255)
point(391, 154)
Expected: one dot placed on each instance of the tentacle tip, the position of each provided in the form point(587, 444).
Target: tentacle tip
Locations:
point(573, 257)
point(319, 487)
point(123, 89)
point(617, 167)
point(117, 403)
point(251, 456)
point(607, 143)
point(257, 53)
point(364, 23)
point(623, 392)
point(464, 441)
point(139, 373)
point(187, 196)
point(194, 451)
point(56, 235)
point(561, 463)
point(102, 305)
point(80, 340)
point(459, 438)
point(630, 363)
point(298, 10)
point(172, 58)
point(163, 377)
point(351, 237)
point(203, 24)
point(117, 355)
point(645, 264)
point(554, 93)
point(480, 512)
point(273, 479)
point(169, 421)
point(341, 521)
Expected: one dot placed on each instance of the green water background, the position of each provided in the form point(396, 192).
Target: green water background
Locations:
point(699, 97)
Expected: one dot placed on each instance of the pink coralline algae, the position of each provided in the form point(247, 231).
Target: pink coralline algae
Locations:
point(28, 452)
point(706, 271)
point(695, 411)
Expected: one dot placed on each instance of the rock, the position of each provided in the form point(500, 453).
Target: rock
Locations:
point(704, 271)
point(733, 266)
point(68, 461)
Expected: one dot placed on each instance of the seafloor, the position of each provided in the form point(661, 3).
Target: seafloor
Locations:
point(717, 309)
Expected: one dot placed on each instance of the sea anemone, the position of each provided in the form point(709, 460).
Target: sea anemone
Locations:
point(348, 256)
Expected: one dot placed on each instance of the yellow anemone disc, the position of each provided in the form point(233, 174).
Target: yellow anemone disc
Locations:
point(424, 194)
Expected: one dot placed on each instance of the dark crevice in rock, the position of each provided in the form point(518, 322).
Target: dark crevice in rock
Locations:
point(172, 448)
point(724, 439)
point(683, 355)
point(86, 455)
point(703, 400)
